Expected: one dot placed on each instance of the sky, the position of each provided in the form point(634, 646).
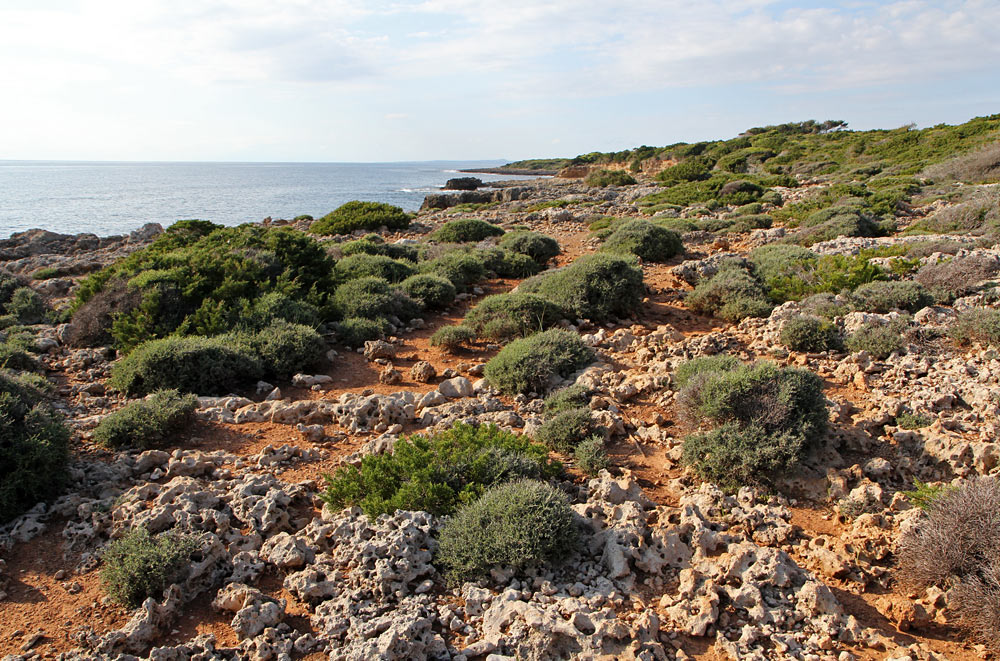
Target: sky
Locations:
point(375, 81)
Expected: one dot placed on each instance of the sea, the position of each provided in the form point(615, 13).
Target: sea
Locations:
point(108, 198)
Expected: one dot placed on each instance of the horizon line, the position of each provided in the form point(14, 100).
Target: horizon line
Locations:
point(224, 162)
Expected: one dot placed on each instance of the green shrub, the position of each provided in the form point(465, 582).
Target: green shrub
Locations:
point(140, 566)
point(590, 456)
point(535, 245)
point(283, 349)
point(26, 304)
point(46, 273)
point(146, 422)
point(825, 305)
point(374, 245)
point(355, 331)
point(373, 298)
point(452, 338)
point(564, 430)
point(439, 472)
point(361, 216)
point(9, 283)
point(699, 368)
point(733, 293)
point(691, 169)
point(529, 364)
point(503, 317)
point(604, 178)
point(650, 242)
point(924, 495)
point(276, 306)
point(431, 291)
point(508, 264)
point(980, 325)
point(594, 287)
point(516, 524)
point(883, 297)
point(14, 357)
point(768, 416)
point(811, 334)
point(363, 265)
point(879, 340)
point(34, 447)
point(465, 230)
point(908, 420)
point(792, 272)
point(565, 399)
point(462, 269)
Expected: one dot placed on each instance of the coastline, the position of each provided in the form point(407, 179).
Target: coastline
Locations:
point(517, 172)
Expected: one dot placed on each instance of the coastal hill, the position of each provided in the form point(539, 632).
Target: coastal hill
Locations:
point(726, 400)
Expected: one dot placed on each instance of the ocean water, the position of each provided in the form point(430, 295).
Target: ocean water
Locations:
point(115, 198)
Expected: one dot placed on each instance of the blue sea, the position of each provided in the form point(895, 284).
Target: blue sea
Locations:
point(115, 198)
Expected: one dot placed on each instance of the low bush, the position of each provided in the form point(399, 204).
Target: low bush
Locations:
point(565, 430)
point(565, 399)
point(507, 264)
point(146, 422)
point(140, 566)
point(594, 287)
point(909, 420)
point(535, 245)
point(590, 456)
point(275, 307)
point(878, 339)
point(374, 245)
point(886, 296)
point(431, 291)
point(13, 356)
point(27, 306)
point(826, 305)
point(517, 525)
point(733, 293)
point(438, 473)
point(980, 325)
point(462, 269)
point(374, 298)
point(769, 417)
point(605, 178)
point(530, 364)
point(34, 447)
point(978, 166)
point(956, 547)
point(811, 334)
point(699, 368)
point(792, 272)
point(355, 331)
point(357, 215)
point(465, 230)
point(642, 238)
point(695, 168)
point(957, 277)
point(363, 265)
point(452, 338)
point(283, 349)
point(503, 317)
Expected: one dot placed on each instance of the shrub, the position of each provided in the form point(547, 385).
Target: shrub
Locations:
point(812, 334)
point(531, 363)
point(147, 422)
point(437, 473)
point(9, 283)
point(769, 417)
point(885, 296)
point(462, 269)
point(565, 399)
point(516, 524)
point(508, 264)
point(431, 291)
point(698, 368)
point(34, 447)
point(957, 546)
point(879, 340)
point(452, 338)
point(14, 357)
point(374, 245)
point(276, 306)
point(825, 305)
point(535, 245)
point(691, 169)
point(355, 331)
point(361, 215)
point(564, 430)
point(379, 266)
point(283, 349)
point(46, 273)
point(465, 230)
point(604, 178)
point(733, 293)
point(909, 420)
point(140, 566)
point(956, 277)
point(503, 317)
point(791, 272)
point(642, 238)
point(27, 306)
point(979, 166)
point(924, 495)
point(593, 287)
point(373, 298)
point(980, 325)
point(590, 455)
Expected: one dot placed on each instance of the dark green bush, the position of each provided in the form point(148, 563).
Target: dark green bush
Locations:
point(9, 283)
point(34, 447)
point(733, 293)
point(885, 296)
point(812, 334)
point(465, 230)
point(276, 306)
point(503, 317)
point(605, 178)
point(594, 287)
point(879, 340)
point(508, 264)
point(283, 349)
point(139, 565)
point(361, 216)
point(565, 430)
point(439, 472)
point(202, 365)
point(909, 420)
point(146, 422)
point(432, 291)
point(373, 298)
point(535, 245)
point(462, 269)
point(590, 456)
point(768, 416)
point(699, 368)
point(15, 357)
point(642, 238)
point(792, 272)
point(691, 169)
point(517, 524)
point(355, 331)
point(452, 338)
point(565, 399)
point(27, 306)
point(374, 245)
point(363, 265)
point(529, 364)
point(980, 325)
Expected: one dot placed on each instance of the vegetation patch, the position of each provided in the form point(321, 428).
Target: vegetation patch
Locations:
point(979, 325)
point(733, 293)
point(642, 238)
point(883, 297)
point(605, 178)
point(374, 298)
point(140, 566)
point(880, 340)
point(594, 287)
point(811, 334)
point(590, 455)
point(565, 430)
point(464, 230)
point(453, 338)
point(535, 245)
point(431, 291)
point(957, 277)
point(378, 266)
point(357, 215)
point(146, 422)
point(532, 363)
point(503, 317)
